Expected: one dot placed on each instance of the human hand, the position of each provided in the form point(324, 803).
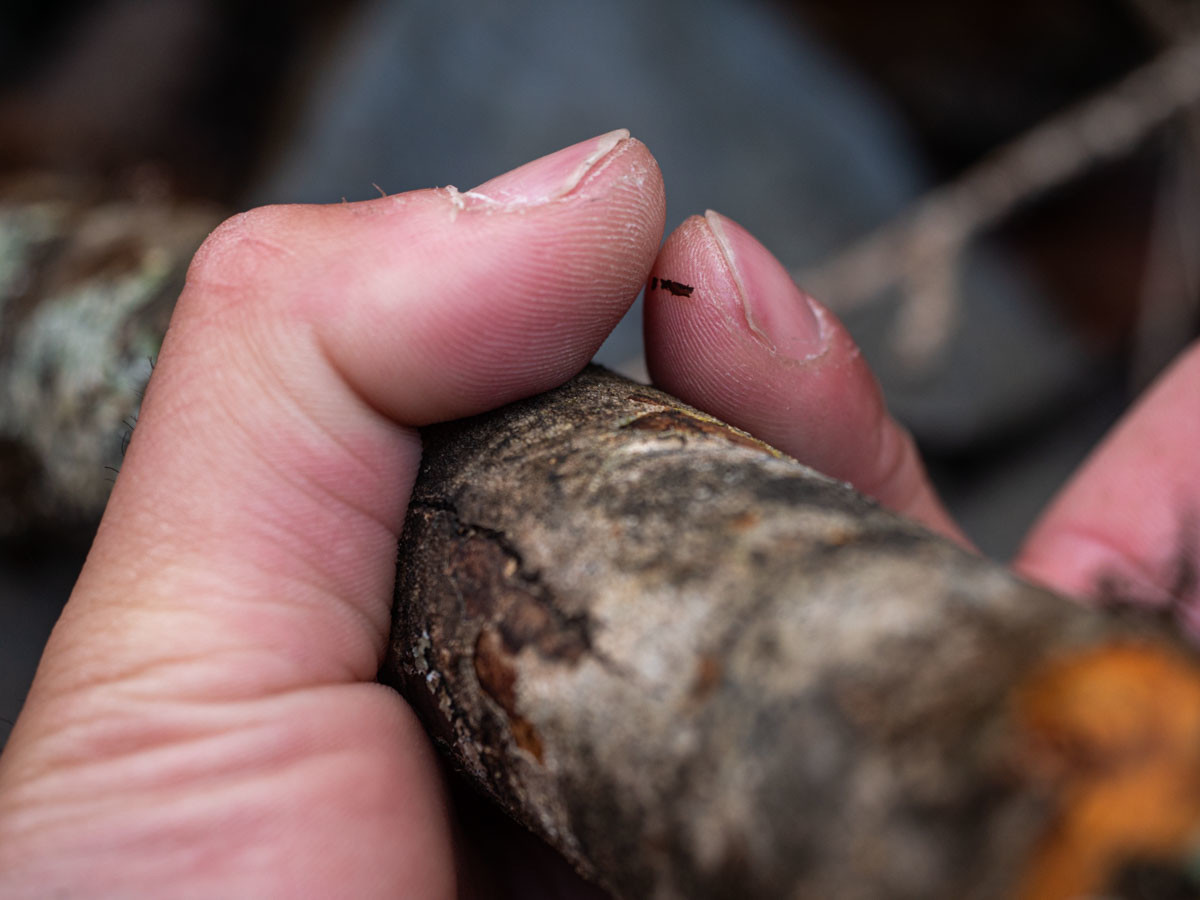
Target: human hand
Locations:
point(205, 719)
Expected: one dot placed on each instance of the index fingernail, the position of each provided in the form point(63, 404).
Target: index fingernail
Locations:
point(776, 310)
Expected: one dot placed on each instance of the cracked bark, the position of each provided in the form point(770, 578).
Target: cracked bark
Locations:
point(699, 669)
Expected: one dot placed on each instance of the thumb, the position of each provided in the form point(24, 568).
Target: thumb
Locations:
point(248, 549)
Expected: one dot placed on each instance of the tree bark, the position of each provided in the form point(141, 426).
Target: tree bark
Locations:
point(699, 669)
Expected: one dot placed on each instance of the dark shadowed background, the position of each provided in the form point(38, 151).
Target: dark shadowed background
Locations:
point(813, 124)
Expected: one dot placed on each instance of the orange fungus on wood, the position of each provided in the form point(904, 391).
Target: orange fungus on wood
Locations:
point(1116, 731)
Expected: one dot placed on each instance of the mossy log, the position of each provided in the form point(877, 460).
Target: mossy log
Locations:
point(699, 669)
point(89, 274)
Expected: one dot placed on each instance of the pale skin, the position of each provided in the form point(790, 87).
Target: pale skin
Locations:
point(205, 722)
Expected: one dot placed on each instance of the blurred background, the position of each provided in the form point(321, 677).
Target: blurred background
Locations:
point(1001, 199)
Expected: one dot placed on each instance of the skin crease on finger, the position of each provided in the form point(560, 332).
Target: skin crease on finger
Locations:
point(204, 715)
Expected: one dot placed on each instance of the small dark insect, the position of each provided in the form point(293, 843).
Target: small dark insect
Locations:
point(675, 287)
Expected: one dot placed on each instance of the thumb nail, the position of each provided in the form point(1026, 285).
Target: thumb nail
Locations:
point(547, 178)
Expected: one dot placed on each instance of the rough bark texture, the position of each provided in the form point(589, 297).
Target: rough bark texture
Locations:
point(699, 669)
point(89, 275)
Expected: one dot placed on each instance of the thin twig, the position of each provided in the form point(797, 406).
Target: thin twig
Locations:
point(1169, 301)
point(1107, 126)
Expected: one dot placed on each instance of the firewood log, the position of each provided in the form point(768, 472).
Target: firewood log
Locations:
point(700, 669)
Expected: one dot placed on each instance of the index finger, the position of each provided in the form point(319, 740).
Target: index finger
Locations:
point(1126, 529)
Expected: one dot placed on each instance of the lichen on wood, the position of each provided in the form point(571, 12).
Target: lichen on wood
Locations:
point(88, 278)
point(699, 669)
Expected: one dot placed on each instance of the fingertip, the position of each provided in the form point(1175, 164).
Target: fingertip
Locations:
point(742, 341)
point(738, 304)
point(745, 337)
